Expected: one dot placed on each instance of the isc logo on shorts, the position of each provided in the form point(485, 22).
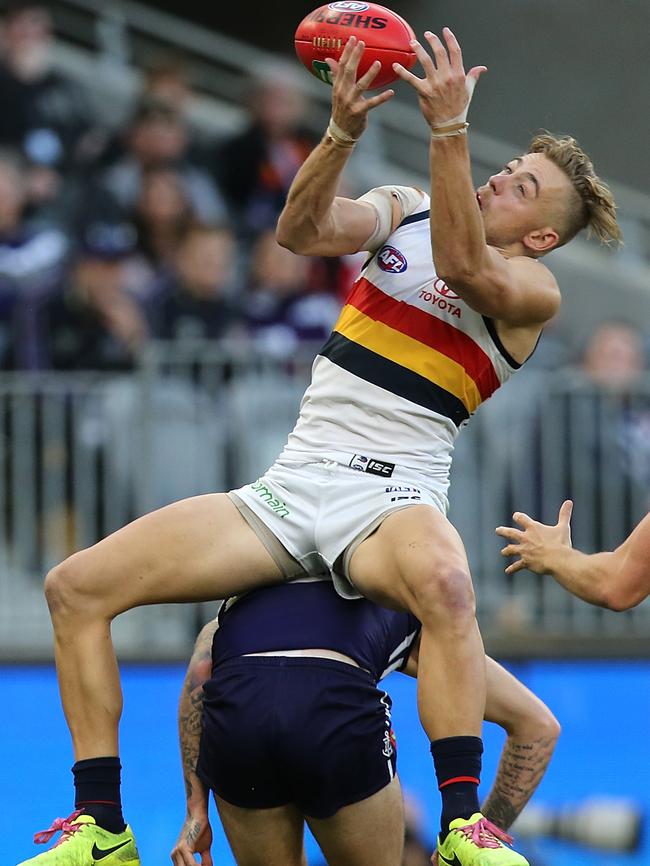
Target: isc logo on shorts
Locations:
point(391, 260)
point(368, 464)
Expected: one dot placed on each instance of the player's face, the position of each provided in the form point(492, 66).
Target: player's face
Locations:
point(523, 197)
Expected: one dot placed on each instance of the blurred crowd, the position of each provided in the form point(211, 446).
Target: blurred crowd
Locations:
point(114, 236)
point(111, 237)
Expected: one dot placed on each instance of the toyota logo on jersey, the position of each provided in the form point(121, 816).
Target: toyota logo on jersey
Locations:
point(391, 260)
point(441, 288)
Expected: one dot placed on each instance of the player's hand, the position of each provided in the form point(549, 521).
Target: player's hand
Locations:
point(445, 91)
point(349, 106)
point(535, 543)
point(195, 838)
point(434, 858)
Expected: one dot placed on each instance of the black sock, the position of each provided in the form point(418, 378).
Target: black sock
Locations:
point(97, 791)
point(458, 769)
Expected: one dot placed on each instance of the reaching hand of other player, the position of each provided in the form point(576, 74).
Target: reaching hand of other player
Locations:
point(536, 545)
point(445, 91)
point(195, 838)
point(349, 106)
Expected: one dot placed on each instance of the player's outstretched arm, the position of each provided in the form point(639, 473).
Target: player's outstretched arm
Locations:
point(618, 580)
point(532, 732)
point(315, 221)
point(518, 291)
point(196, 833)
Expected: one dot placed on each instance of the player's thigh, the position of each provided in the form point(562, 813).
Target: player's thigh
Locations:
point(367, 833)
point(411, 546)
point(264, 837)
point(195, 549)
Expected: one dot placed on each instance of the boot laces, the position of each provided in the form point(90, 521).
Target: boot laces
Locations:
point(66, 825)
point(485, 834)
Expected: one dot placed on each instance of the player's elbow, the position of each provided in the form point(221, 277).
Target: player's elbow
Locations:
point(287, 237)
point(538, 723)
point(619, 598)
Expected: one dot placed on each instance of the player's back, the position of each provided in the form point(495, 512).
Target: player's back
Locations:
point(309, 614)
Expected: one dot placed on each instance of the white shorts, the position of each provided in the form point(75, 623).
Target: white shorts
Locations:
point(322, 511)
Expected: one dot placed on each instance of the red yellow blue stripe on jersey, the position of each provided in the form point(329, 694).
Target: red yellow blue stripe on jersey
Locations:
point(407, 351)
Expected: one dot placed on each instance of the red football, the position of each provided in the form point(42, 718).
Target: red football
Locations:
point(324, 32)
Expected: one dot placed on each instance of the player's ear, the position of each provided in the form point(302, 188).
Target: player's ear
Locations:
point(541, 240)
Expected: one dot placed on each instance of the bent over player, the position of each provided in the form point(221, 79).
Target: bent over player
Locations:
point(361, 488)
point(292, 731)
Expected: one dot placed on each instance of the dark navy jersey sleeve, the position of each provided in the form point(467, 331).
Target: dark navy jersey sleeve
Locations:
point(311, 615)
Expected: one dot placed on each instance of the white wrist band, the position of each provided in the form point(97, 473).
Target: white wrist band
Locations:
point(470, 84)
point(340, 136)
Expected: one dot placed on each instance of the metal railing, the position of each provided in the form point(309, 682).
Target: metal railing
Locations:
point(82, 455)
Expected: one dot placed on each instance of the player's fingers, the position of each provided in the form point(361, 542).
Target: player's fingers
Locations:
point(353, 63)
point(347, 50)
point(510, 550)
point(566, 510)
point(455, 53)
point(473, 76)
point(509, 532)
point(374, 101)
point(206, 858)
point(333, 65)
point(439, 52)
point(368, 77)
point(516, 566)
point(522, 519)
point(424, 58)
point(407, 76)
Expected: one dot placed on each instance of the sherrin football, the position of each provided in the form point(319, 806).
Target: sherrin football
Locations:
point(325, 31)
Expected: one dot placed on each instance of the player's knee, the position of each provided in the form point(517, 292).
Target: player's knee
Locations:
point(64, 590)
point(445, 594)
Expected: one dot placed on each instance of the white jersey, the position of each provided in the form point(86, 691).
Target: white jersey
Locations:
point(407, 364)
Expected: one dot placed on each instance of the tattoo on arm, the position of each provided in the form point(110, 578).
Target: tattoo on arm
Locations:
point(192, 834)
point(521, 768)
point(190, 734)
point(190, 706)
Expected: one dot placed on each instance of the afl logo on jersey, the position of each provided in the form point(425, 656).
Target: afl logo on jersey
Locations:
point(391, 260)
point(441, 288)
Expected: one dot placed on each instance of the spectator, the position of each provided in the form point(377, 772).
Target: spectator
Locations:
point(611, 420)
point(193, 301)
point(32, 261)
point(94, 324)
point(256, 167)
point(284, 307)
point(162, 215)
point(158, 136)
point(42, 113)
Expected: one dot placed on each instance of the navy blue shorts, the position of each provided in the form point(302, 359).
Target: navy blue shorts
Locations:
point(312, 732)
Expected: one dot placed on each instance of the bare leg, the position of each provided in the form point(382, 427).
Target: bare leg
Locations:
point(264, 837)
point(194, 550)
point(424, 569)
point(368, 833)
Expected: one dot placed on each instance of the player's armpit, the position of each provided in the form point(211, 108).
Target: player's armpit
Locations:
point(518, 291)
point(392, 204)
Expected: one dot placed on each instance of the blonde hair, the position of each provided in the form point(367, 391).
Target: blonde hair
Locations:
point(591, 204)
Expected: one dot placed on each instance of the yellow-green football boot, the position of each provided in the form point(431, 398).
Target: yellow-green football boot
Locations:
point(476, 841)
point(83, 843)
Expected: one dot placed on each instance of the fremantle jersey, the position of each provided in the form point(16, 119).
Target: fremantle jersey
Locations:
point(310, 614)
point(407, 364)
